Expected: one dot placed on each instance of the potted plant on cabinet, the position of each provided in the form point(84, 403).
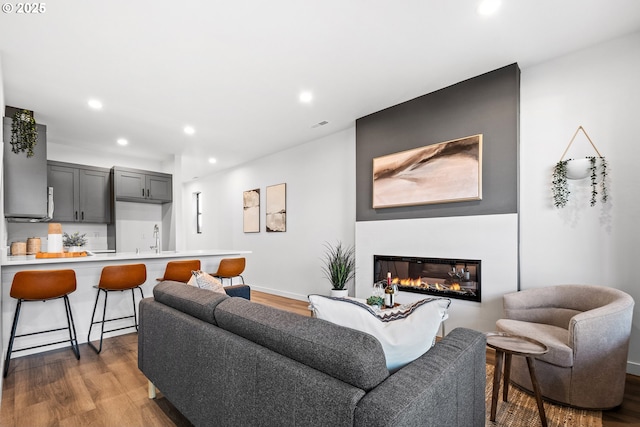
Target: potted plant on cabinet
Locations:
point(24, 133)
point(74, 242)
point(339, 267)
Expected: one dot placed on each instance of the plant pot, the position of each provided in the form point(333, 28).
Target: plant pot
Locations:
point(75, 249)
point(578, 168)
point(340, 293)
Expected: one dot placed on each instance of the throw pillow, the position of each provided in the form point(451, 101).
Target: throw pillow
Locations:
point(202, 280)
point(406, 332)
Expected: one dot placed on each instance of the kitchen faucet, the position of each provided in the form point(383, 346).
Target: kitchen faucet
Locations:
point(156, 235)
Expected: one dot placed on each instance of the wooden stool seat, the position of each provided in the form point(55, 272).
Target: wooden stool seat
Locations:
point(117, 278)
point(180, 271)
point(42, 285)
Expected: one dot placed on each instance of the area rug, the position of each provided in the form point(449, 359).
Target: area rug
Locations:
point(521, 410)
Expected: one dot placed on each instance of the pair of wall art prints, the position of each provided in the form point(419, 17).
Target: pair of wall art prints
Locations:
point(276, 202)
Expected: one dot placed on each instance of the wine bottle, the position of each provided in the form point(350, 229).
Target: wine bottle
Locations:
point(389, 296)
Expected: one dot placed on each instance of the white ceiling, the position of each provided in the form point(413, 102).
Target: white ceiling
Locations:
point(234, 69)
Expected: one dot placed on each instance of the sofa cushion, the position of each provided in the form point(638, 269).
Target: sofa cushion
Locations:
point(349, 355)
point(555, 338)
point(405, 333)
point(194, 301)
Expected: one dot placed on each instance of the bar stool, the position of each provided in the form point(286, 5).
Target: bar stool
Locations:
point(180, 271)
point(230, 268)
point(42, 285)
point(117, 278)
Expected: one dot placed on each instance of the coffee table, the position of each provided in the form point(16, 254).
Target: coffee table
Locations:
point(507, 345)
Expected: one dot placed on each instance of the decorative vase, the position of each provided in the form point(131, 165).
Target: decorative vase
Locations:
point(339, 293)
point(578, 168)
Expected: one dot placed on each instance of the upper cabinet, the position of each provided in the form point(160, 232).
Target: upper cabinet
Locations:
point(80, 193)
point(133, 185)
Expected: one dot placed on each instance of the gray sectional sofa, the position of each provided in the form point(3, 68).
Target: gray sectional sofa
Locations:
point(224, 361)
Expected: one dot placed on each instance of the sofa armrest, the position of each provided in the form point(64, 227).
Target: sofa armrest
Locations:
point(242, 291)
point(443, 387)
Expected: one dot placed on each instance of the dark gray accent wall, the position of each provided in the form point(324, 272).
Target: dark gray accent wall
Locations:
point(487, 104)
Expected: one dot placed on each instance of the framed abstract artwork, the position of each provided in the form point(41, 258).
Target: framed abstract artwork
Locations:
point(277, 208)
point(251, 211)
point(449, 171)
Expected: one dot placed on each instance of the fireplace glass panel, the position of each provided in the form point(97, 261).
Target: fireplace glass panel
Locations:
point(446, 277)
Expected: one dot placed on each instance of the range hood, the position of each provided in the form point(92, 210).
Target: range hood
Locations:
point(26, 195)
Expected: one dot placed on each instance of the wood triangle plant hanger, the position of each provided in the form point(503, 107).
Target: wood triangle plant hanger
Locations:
point(579, 169)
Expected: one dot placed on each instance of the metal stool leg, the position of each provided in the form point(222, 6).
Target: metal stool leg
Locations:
point(104, 313)
point(73, 338)
point(13, 335)
point(135, 315)
point(135, 318)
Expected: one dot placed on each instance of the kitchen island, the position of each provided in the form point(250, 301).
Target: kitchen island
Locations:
point(88, 269)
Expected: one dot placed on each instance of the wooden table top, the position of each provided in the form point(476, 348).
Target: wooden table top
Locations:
point(515, 344)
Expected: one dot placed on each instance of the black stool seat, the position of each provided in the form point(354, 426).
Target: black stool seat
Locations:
point(117, 278)
point(42, 285)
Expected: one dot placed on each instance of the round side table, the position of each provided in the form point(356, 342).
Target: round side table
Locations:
point(507, 345)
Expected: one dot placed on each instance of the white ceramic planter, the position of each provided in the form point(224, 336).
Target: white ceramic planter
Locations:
point(578, 168)
point(341, 293)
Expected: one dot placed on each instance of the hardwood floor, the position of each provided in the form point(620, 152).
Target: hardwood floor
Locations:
point(55, 389)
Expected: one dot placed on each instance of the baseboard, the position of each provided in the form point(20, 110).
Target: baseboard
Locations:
point(280, 293)
point(633, 368)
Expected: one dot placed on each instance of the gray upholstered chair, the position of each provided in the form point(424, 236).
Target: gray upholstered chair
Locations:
point(587, 330)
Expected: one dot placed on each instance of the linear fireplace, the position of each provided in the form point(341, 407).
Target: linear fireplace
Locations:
point(445, 277)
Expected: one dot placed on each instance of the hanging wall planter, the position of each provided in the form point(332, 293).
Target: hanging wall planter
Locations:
point(24, 133)
point(576, 169)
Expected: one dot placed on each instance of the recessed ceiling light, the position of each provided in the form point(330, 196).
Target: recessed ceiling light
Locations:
point(189, 130)
point(488, 7)
point(212, 160)
point(306, 97)
point(122, 141)
point(95, 104)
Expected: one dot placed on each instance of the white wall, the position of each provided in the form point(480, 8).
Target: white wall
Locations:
point(597, 88)
point(493, 239)
point(320, 180)
point(2, 221)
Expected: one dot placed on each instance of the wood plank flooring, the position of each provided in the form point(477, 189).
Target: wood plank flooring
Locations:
point(55, 389)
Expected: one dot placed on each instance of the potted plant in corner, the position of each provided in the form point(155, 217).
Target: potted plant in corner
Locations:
point(339, 267)
point(74, 242)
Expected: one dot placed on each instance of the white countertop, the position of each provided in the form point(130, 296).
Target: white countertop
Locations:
point(117, 256)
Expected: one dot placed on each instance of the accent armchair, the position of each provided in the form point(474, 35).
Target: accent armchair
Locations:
point(587, 330)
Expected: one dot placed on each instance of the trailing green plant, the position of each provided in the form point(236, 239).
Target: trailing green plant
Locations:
point(24, 132)
point(339, 264)
point(75, 239)
point(560, 187)
point(593, 169)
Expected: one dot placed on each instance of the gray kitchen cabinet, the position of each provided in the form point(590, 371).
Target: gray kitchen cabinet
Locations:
point(133, 185)
point(80, 193)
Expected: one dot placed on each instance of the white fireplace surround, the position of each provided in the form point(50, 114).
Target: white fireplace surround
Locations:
point(493, 239)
